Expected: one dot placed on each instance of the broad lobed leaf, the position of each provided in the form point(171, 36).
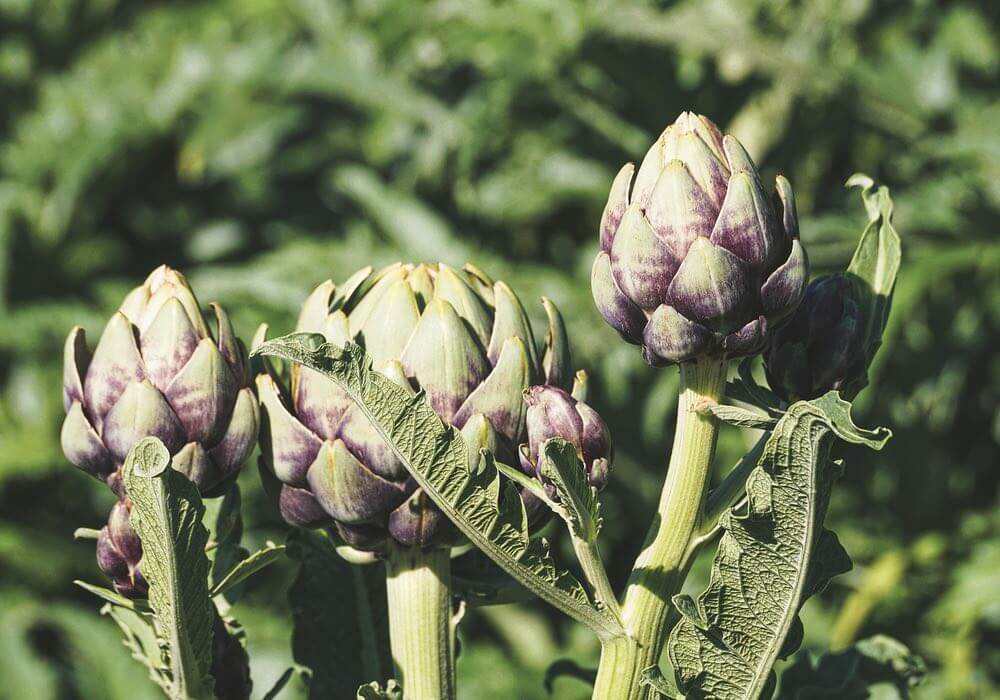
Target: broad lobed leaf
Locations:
point(771, 558)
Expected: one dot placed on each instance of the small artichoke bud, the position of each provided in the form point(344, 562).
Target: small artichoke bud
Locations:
point(457, 335)
point(553, 413)
point(695, 260)
point(119, 552)
point(157, 371)
point(822, 347)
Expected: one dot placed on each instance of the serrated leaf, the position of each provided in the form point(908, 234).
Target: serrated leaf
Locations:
point(140, 639)
point(167, 513)
point(341, 632)
point(437, 458)
point(741, 417)
point(877, 258)
point(875, 667)
point(115, 598)
point(770, 558)
point(263, 557)
point(576, 498)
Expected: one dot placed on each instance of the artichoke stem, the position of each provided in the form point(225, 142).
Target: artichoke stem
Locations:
point(418, 584)
point(661, 566)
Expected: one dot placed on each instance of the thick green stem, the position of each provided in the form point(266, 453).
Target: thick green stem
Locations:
point(418, 583)
point(660, 568)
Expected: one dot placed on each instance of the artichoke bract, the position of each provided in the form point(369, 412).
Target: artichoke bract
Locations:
point(822, 347)
point(456, 335)
point(695, 260)
point(157, 371)
point(555, 413)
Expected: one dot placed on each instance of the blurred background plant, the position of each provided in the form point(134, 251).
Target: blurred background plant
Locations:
point(262, 146)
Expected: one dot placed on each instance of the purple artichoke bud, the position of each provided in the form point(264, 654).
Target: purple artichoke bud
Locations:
point(157, 371)
point(822, 347)
point(553, 413)
point(455, 334)
point(119, 552)
point(695, 260)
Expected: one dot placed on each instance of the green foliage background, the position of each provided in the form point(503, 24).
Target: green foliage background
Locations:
point(263, 146)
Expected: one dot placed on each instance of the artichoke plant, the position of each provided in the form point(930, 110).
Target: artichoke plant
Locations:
point(456, 335)
point(119, 552)
point(555, 413)
point(822, 347)
point(695, 260)
point(157, 371)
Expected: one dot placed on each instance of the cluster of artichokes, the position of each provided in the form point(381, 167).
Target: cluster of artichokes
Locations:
point(457, 335)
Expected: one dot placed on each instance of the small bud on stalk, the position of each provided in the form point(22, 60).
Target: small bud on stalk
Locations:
point(456, 335)
point(695, 259)
point(554, 413)
point(822, 347)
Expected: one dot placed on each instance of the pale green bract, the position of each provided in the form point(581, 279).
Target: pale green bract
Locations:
point(437, 458)
point(773, 555)
point(167, 514)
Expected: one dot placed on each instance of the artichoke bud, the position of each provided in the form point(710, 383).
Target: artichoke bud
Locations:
point(695, 259)
point(158, 371)
point(119, 552)
point(822, 347)
point(459, 337)
point(553, 413)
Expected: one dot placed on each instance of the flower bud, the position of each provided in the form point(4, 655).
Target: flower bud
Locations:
point(554, 413)
point(119, 552)
point(695, 260)
point(157, 371)
point(822, 347)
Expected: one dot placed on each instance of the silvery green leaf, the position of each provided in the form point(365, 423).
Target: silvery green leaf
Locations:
point(140, 639)
point(167, 513)
point(268, 554)
point(742, 417)
point(877, 257)
point(115, 598)
point(437, 458)
point(772, 556)
point(341, 633)
point(576, 498)
point(877, 667)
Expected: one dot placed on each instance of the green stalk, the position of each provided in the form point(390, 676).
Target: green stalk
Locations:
point(661, 566)
point(418, 584)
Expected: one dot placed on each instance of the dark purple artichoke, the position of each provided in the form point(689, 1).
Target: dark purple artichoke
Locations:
point(554, 413)
point(158, 372)
point(695, 260)
point(822, 347)
point(457, 335)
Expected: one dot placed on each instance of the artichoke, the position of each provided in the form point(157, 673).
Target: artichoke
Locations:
point(460, 337)
point(158, 372)
point(554, 413)
point(119, 552)
point(695, 260)
point(822, 347)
